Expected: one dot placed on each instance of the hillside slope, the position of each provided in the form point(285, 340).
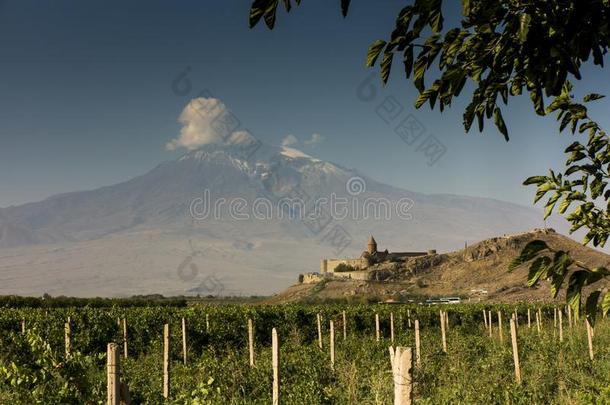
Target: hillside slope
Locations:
point(482, 266)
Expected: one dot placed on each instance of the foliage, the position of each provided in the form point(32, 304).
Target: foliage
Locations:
point(342, 267)
point(504, 48)
point(476, 369)
point(555, 266)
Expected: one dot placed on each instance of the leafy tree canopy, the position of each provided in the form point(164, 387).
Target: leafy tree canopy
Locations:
point(506, 48)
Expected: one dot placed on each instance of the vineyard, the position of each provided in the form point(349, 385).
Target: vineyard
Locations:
point(59, 355)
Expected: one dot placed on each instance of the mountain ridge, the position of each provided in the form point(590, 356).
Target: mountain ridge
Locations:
point(150, 216)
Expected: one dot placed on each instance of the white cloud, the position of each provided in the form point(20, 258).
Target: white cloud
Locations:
point(198, 122)
point(290, 140)
point(314, 140)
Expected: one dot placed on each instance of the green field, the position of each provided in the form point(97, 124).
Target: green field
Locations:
point(476, 369)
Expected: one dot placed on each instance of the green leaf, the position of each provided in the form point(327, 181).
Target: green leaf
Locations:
point(573, 293)
point(528, 253)
point(499, 121)
point(591, 306)
point(606, 304)
point(593, 97)
point(534, 180)
point(551, 204)
point(386, 66)
point(344, 7)
point(524, 26)
point(537, 269)
point(374, 51)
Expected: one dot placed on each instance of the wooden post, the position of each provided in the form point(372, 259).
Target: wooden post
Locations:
point(392, 327)
point(124, 337)
point(491, 327)
point(569, 316)
point(513, 337)
point(589, 337)
point(409, 317)
point(500, 326)
point(540, 318)
point(113, 374)
point(207, 323)
point(166, 361)
point(446, 316)
point(275, 354)
point(485, 319)
point(23, 326)
point(560, 325)
point(319, 318)
point(417, 344)
point(442, 315)
point(377, 333)
point(332, 345)
point(68, 338)
point(402, 371)
point(554, 318)
point(251, 341)
point(344, 326)
point(538, 322)
point(529, 319)
point(184, 340)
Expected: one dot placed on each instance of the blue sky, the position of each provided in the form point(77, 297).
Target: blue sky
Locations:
point(86, 96)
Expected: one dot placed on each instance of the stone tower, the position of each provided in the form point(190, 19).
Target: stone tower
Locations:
point(372, 245)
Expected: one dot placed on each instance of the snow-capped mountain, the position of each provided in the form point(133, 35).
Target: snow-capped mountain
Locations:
point(133, 237)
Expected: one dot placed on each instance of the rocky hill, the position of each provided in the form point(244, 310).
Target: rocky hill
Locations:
point(475, 273)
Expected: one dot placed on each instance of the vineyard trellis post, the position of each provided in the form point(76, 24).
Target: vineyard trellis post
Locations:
point(68, 338)
point(166, 361)
point(377, 334)
point(392, 327)
point(417, 344)
point(529, 318)
point(125, 338)
point(275, 355)
point(251, 341)
point(184, 340)
point(589, 338)
point(491, 327)
point(332, 345)
point(513, 337)
point(319, 319)
point(23, 326)
point(344, 326)
point(409, 317)
point(560, 325)
point(444, 338)
point(569, 316)
point(401, 360)
point(113, 374)
point(485, 319)
point(500, 326)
